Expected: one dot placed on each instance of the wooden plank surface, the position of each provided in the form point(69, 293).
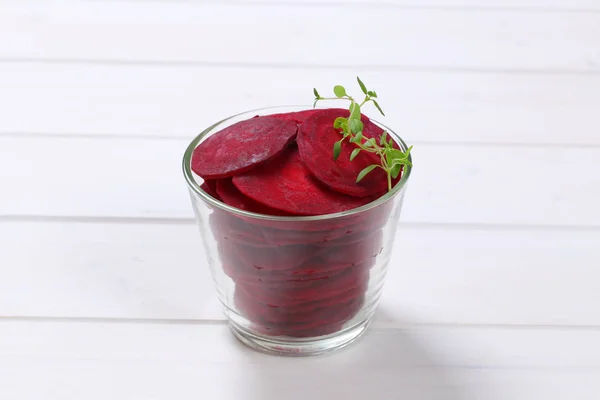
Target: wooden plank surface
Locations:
point(281, 36)
point(170, 101)
point(163, 361)
point(493, 289)
point(437, 275)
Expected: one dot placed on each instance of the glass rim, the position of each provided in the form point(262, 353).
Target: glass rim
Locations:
point(193, 184)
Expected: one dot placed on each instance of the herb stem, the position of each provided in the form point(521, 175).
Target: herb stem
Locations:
point(392, 159)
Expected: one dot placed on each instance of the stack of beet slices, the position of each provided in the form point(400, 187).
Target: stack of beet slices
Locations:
point(295, 278)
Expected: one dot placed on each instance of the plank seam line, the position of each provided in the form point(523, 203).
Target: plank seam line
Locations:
point(384, 325)
point(408, 225)
point(594, 69)
point(116, 320)
point(385, 5)
point(158, 137)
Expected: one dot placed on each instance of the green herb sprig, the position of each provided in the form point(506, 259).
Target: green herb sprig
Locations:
point(351, 128)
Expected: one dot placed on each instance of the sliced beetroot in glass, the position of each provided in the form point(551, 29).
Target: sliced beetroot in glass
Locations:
point(230, 195)
point(316, 137)
point(242, 146)
point(285, 184)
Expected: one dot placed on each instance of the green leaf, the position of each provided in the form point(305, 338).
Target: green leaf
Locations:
point(367, 144)
point(362, 85)
point(372, 93)
point(365, 171)
point(339, 91)
point(337, 149)
point(389, 158)
point(354, 111)
point(358, 138)
point(396, 158)
point(399, 155)
point(316, 93)
point(372, 142)
point(396, 154)
point(356, 125)
point(382, 138)
point(379, 108)
point(337, 124)
point(354, 153)
point(344, 126)
point(401, 162)
point(396, 170)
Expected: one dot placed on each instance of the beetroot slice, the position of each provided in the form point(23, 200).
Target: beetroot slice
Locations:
point(242, 146)
point(274, 258)
point(316, 138)
point(300, 116)
point(230, 195)
point(288, 315)
point(285, 184)
point(210, 187)
point(242, 232)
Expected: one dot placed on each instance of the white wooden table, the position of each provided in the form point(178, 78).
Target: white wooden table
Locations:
point(494, 291)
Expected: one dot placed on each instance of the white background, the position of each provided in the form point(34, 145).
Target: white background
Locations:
point(494, 289)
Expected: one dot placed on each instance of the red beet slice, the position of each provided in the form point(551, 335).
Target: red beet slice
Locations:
point(322, 330)
point(316, 269)
point(355, 253)
point(316, 138)
point(300, 116)
point(324, 320)
point(244, 301)
point(285, 184)
point(230, 195)
point(352, 278)
point(210, 187)
point(260, 312)
point(285, 316)
point(242, 146)
point(243, 232)
point(273, 258)
point(285, 278)
point(308, 297)
point(345, 239)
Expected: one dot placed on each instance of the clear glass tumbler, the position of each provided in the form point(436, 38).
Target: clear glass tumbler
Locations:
point(296, 285)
